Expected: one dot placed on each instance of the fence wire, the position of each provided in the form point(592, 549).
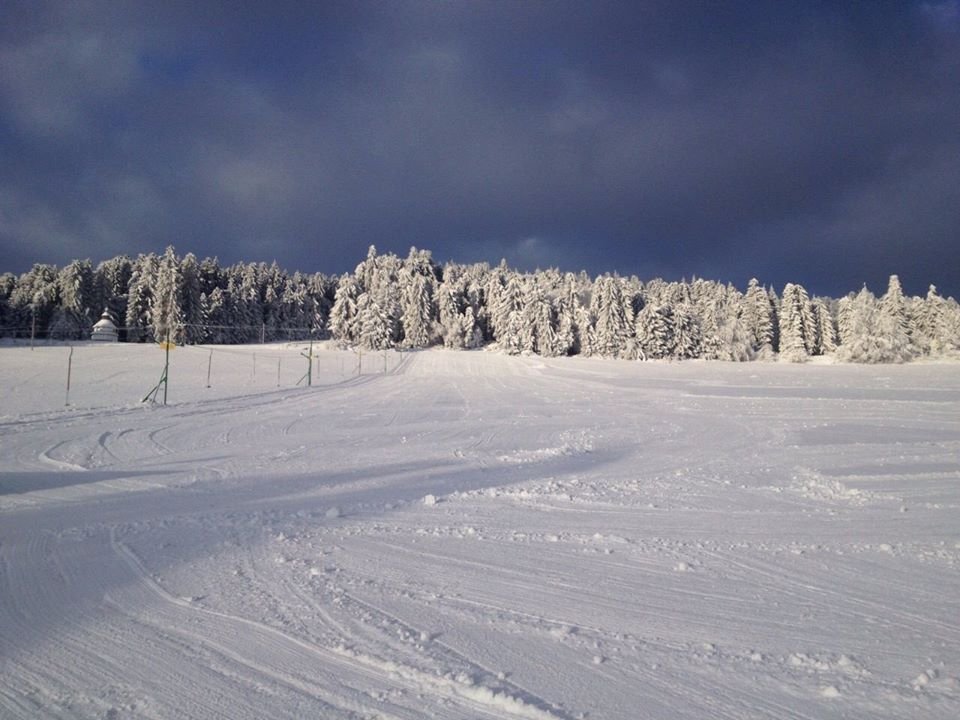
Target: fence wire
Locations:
point(50, 375)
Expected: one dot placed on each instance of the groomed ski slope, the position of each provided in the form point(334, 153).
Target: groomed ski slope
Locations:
point(472, 535)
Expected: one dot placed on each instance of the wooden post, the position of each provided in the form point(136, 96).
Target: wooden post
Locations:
point(69, 368)
point(209, 365)
point(278, 371)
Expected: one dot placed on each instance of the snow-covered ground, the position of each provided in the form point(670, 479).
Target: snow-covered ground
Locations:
point(472, 535)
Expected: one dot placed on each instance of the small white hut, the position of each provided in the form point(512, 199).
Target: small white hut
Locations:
point(105, 330)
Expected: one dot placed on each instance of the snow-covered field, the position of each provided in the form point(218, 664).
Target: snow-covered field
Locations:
point(472, 535)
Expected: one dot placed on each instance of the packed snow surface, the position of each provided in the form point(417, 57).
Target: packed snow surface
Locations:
point(471, 535)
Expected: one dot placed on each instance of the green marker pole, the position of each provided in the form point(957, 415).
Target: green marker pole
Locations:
point(166, 368)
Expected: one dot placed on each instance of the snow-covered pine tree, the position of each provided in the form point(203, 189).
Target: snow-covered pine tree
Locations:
point(7, 284)
point(322, 290)
point(211, 276)
point(654, 332)
point(194, 321)
point(140, 298)
point(795, 323)
point(111, 285)
point(366, 270)
point(868, 334)
point(506, 315)
point(73, 318)
point(826, 326)
point(297, 309)
point(723, 333)
point(274, 283)
point(35, 299)
point(473, 335)
point(540, 329)
point(858, 329)
point(758, 316)
point(475, 280)
point(894, 322)
point(373, 329)
point(236, 320)
point(775, 309)
point(844, 320)
point(343, 323)
point(385, 290)
point(947, 343)
point(610, 329)
point(248, 303)
point(216, 311)
point(166, 309)
point(567, 306)
point(927, 315)
point(726, 335)
point(450, 299)
point(687, 335)
point(417, 314)
point(420, 262)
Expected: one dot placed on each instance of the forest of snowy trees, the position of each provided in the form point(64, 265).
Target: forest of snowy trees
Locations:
point(414, 302)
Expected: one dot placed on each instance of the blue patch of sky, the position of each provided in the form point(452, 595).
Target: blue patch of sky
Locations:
point(173, 67)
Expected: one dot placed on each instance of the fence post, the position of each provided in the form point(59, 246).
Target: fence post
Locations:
point(166, 367)
point(278, 371)
point(69, 368)
point(209, 365)
point(309, 374)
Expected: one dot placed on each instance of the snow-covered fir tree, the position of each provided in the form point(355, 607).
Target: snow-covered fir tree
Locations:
point(191, 309)
point(611, 327)
point(796, 324)
point(759, 317)
point(417, 310)
point(166, 308)
point(374, 331)
point(654, 332)
point(687, 335)
point(343, 316)
point(143, 281)
point(74, 316)
point(506, 315)
point(893, 322)
point(111, 281)
point(216, 311)
point(545, 312)
point(450, 301)
point(826, 326)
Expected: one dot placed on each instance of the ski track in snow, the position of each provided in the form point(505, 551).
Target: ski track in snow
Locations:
point(471, 535)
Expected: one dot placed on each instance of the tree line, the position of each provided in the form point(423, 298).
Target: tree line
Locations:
point(414, 302)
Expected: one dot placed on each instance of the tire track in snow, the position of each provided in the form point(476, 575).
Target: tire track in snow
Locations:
point(483, 699)
point(45, 457)
point(828, 599)
point(271, 633)
point(514, 688)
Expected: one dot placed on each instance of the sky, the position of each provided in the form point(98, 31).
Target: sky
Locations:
point(811, 142)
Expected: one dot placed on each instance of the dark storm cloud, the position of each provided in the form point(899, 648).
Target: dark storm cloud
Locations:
point(805, 142)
